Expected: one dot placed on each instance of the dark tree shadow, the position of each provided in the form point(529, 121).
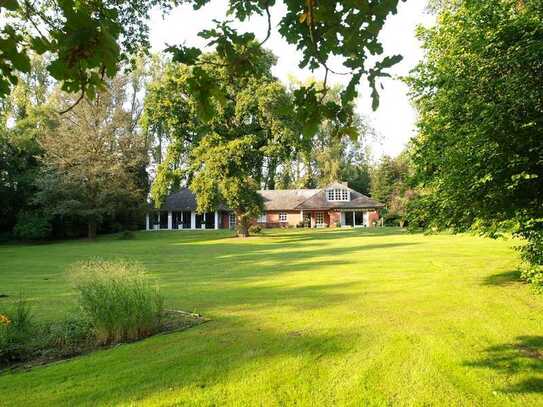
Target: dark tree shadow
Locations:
point(523, 357)
point(505, 278)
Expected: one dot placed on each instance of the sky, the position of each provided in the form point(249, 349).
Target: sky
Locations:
point(394, 120)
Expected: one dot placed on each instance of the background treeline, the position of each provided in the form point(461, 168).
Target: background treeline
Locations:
point(72, 168)
point(68, 169)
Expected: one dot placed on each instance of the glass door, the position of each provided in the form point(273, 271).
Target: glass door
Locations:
point(359, 218)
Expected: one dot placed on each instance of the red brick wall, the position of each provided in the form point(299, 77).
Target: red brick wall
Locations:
point(373, 217)
point(272, 218)
point(335, 217)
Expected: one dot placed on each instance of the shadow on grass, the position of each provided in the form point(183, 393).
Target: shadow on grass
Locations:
point(504, 278)
point(225, 279)
point(523, 357)
point(303, 235)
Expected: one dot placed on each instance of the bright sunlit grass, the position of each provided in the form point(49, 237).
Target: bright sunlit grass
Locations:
point(328, 317)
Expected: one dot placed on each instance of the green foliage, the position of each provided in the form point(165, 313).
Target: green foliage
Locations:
point(32, 225)
point(67, 337)
point(255, 229)
point(87, 42)
point(16, 333)
point(389, 178)
point(30, 113)
point(533, 274)
point(118, 300)
point(94, 161)
point(222, 156)
point(478, 93)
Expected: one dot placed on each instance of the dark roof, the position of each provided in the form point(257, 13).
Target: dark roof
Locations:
point(284, 199)
point(358, 201)
point(184, 200)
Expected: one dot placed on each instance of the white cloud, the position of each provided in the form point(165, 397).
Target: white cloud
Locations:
point(394, 121)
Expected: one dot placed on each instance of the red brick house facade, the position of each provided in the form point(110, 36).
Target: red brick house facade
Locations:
point(336, 205)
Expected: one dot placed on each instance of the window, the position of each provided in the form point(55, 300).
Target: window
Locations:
point(232, 220)
point(262, 218)
point(282, 216)
point(338, 195)
point(320, 218)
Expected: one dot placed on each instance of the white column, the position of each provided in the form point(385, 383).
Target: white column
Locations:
point(158, 220)
point(216, 220)
point(342, 218)
point(170, 220)
point(147, 221)
point(354, 219)
point(313, 220)
point(301, 216)
point(193, 220)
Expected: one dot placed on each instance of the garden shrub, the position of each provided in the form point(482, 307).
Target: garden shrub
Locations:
point(255, 229)
point(32, 226)
point(533, 274)
point(118, 300)
point(17, 333)
point(69, 336)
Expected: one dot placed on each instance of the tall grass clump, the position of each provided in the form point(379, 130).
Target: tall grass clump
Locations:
point(16, 332)
point(117, 298)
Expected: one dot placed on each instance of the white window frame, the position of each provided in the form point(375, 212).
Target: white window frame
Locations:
point(338, 195)
point(232, 220)
point(283, 217)
point(263, 218)
point(321, 216)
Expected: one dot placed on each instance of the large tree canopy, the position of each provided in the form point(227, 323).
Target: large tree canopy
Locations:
point(224, 152)
point(479, 93)
point(93, 160)
point(86, 42)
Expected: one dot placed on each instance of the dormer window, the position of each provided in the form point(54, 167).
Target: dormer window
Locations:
point(338, 194)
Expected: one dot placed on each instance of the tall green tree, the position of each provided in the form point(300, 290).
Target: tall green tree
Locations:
point(479, 93)
point(390, 184)
point(93, 160)
point(337, 151)
point(225, 154)
point(25, 115)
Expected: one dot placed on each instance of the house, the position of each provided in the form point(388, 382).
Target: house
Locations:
point(336, 205)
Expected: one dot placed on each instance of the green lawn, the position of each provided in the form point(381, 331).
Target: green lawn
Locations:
point(353, 317)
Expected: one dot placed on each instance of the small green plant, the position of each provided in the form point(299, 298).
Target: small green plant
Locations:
point(118, 300)
point(255, 229)
point(16, 333)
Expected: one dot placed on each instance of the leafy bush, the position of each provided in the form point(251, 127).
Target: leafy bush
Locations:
point(32, 226)
point(533, 274)
point(16, 333)
point(255, 229)
point(118, 300)
point(68, 337)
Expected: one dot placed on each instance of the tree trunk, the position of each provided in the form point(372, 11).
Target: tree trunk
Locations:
point(243, 231)
point(92, 230)
point(243, 224)
point(402, 223)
